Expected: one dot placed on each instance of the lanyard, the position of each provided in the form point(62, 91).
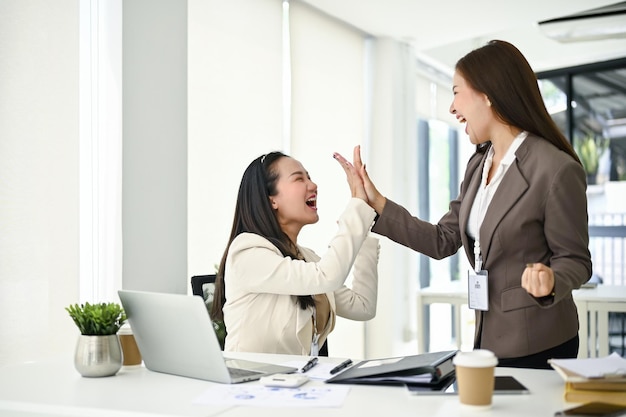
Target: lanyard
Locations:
point(478, 259)
point(482, 196)
point(316, 336)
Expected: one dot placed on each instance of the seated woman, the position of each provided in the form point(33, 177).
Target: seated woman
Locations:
point(276, 296)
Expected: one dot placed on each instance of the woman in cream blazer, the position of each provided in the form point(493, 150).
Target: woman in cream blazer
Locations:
point(280, 297)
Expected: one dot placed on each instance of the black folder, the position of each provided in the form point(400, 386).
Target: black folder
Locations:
point(427, 368)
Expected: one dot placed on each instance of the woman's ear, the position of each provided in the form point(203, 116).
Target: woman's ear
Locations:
point(273, 203)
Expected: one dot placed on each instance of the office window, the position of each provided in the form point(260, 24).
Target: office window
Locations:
point(588, 104)
point(439, 182)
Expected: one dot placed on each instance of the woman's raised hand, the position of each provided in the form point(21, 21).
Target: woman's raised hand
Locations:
point(354, 179)
point(374, 198)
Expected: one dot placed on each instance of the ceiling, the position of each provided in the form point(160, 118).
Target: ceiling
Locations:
point(444, 31)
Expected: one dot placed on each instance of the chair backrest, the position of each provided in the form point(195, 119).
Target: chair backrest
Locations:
point(204, 286)
point(203, 283)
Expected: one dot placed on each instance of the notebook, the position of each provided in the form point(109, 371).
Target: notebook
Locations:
point(175, 336)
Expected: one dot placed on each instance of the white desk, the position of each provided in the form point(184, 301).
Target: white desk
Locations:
point(594, 305)
point(55, 388)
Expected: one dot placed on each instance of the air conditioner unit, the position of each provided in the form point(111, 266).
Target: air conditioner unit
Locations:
point(601, 23)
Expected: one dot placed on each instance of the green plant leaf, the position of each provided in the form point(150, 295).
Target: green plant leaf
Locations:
point(97, 319)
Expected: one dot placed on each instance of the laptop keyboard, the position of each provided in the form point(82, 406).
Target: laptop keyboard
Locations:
point(238, 372)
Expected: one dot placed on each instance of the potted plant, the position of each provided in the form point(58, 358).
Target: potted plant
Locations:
point(590, 148)
point(98, 351)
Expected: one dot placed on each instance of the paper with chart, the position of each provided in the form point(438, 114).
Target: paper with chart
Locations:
point(261, 396)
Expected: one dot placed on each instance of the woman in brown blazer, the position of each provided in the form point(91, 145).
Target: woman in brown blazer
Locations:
point(521, 214)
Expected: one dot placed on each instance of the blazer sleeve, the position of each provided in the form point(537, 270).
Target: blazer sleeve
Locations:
point(566, 229)
point(259, 267)
point(359, 301)
point(434, 240)
point(438, 240)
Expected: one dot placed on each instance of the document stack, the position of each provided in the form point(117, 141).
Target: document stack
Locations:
point(593, 379)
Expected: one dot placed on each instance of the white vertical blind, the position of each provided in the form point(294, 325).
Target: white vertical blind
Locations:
point(100, 114)
point(328, 110)
point(393, 168)
point(235, 111)
point(38, 178)
point(328, 114)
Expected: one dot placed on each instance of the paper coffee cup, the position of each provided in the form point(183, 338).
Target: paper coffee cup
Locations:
point(475, 379)
point(130, 351)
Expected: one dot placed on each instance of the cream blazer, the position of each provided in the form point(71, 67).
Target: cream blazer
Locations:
point(261, 313)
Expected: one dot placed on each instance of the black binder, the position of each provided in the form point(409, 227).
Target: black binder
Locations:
point(428, 369)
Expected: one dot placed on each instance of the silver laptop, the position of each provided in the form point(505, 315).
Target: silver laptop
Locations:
point(175, 335)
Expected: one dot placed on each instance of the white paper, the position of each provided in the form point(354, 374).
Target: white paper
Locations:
point(260, 396)
point(612, 366)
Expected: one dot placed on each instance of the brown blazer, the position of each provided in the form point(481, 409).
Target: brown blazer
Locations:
point(538, 214)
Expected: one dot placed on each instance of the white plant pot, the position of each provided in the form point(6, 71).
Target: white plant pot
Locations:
point(98, 356)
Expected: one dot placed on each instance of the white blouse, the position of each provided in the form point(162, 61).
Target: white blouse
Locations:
point(487, 191)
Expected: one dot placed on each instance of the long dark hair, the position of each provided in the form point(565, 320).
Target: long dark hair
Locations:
point(254, 214)
point(500, 71)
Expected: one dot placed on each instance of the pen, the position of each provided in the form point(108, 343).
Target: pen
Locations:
point(341, 366)
point(310, 364)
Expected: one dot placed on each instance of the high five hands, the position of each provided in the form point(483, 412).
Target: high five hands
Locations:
point(354, 179)
point(373, 197)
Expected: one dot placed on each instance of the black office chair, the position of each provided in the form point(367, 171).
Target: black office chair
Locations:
point(204, 286)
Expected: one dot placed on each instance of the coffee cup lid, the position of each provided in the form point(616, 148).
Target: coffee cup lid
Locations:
point(479, 358)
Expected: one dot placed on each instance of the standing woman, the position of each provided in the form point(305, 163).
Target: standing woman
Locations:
point(276, 296)
point(521, 214)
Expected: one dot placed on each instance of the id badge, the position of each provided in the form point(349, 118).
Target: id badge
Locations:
point(315, 348)
point(477, 290)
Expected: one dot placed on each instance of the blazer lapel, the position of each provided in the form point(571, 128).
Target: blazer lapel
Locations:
point(466, 207)
point(512, 187)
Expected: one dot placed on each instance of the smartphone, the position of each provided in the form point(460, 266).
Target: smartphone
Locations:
point(504, 385)
point(509, 385)
point(594, 409)
point(284, 380)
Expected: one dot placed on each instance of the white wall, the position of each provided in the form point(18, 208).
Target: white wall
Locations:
point(192, 123)
point(154, 198)
point(39, 150)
